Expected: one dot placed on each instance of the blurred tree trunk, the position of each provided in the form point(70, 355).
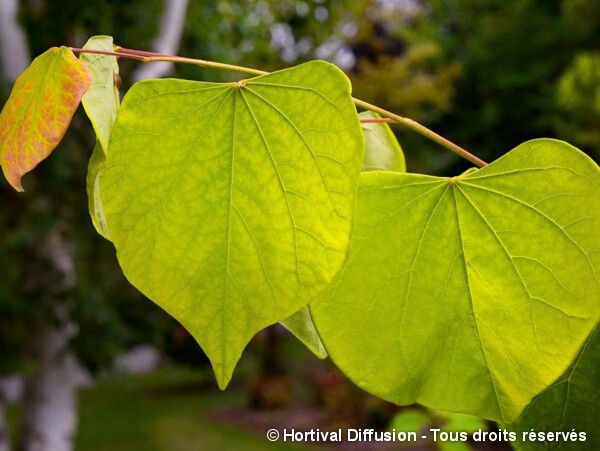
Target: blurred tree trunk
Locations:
point(167, 41)
point(49, 405)
point(49, 411)
point(14, 55)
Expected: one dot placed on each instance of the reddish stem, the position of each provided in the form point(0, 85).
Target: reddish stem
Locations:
point(110, 53)
point(369, 120)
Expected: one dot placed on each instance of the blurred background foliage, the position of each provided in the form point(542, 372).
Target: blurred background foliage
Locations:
point(487, 74)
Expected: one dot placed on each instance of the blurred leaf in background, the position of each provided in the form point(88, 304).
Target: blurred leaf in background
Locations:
point(577, 98)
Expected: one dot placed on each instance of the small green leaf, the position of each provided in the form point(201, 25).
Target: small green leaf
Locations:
point(382, 150)
point(475, 292)
point(101, 101)
point(95, 166)
point(301, 325)
point(101, 104)
point(39, 111)
point(571, 404)
point(231, 205)
point(410, 421)
point(459, 422)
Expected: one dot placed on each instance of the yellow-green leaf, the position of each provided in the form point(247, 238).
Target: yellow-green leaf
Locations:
point(473, 293)
point(101, 101)
point(39, 111)
point(231, 205)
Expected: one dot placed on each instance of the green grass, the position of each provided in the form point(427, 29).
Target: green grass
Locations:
point(163, 411)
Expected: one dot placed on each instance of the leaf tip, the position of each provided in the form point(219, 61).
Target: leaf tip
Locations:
point(223, 366)
point(17, 186)
point(12, 177)
point(223, 376)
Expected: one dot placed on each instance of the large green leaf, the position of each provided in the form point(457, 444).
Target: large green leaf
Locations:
point(472, 293)
point(101, 104)
point(572, 403)
point(39, 111)
point(231, 205)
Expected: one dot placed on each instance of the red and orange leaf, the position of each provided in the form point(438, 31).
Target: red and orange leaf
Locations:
point(39, 111)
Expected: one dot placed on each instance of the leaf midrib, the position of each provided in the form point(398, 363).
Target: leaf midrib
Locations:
point(471, 298)
point(282, 186)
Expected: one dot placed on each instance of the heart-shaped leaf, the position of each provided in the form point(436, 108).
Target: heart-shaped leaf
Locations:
point(101, 104)
point(472, 293)
point(231, 205)
point(39, 111)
